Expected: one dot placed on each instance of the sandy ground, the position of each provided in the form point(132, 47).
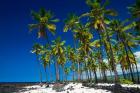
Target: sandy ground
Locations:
point(78, 88)
point(69, 88)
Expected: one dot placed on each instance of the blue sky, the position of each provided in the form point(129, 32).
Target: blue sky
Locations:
point(16, 61)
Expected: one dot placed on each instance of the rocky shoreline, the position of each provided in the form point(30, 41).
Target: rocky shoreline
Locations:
point(117, 88)
point(69, 88)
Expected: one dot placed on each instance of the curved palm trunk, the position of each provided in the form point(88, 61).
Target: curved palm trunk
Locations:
point(127, 57)
point(112, 59)
point(101, 57)
point(100, 51)
point(135, 64)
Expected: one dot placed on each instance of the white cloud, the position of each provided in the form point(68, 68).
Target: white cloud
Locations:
point(137, 55)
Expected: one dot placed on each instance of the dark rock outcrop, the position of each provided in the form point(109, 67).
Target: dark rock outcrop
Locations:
point(117, 88)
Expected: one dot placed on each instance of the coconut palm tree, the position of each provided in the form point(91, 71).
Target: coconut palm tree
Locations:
point(98, 21)
point(71, 24)
point(37, 49)
point(62, 62)
point(125, 39)
point(71, 55)
point(67, 70)
point(57, 51)
point(46, 58)
point(44, 23)
point(93, 65)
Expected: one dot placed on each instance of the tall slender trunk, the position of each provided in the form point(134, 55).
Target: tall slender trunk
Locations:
point(101, 57)
point(100, 50)
point(123, 72)
point(57, 72)
point(95, 76)
point(81, 73)
point(46, 75)
point(112, 58)
point(100, 73)
point(50, 73)
point(90, 75)
point(49, 62)
point(137, 74)
point(73, 76)
point(63, 75)
point(135, 64)
point(104, 74)
point(127, 57)
point(76, 59)
point(110, 73)
point(40, 73)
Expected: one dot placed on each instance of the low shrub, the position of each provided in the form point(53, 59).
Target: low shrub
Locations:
point(125, 81)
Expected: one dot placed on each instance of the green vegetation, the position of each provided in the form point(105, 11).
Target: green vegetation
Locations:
point(101, 37)
point(125, 81)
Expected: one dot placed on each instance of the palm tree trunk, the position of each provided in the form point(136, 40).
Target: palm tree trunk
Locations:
point(63, 74)
point(105, 78)
point(50, 73)
point(127, 57)
point(46, 75)
point(95, 76)
point(137, 74)
point(110, 74)
point(66, 77)
point(135, 64)
point(57, 72)
point(123, 72)
point(40, 73)
point(73, 76)
point(112, 59)
point(100, 73)
point(90, 75)
point(100, 50)
point(78, 71)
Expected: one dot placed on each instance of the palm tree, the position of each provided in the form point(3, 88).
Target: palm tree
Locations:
point(62, 62)
point(37, 49)
point(71, 24)
point(93, 65)
point(67, 70)
point(125, 39)
point(71, 56)
point(98, 21)
point(46, 58)
point(57, 51)
point(44, 20)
